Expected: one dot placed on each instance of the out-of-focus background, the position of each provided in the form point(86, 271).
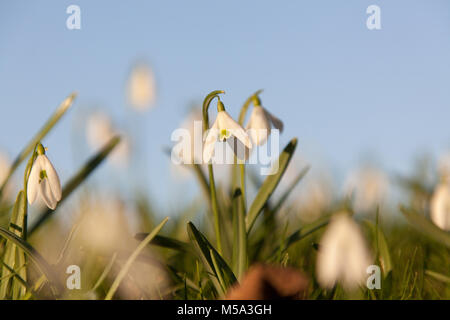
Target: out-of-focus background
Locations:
point(351, 95)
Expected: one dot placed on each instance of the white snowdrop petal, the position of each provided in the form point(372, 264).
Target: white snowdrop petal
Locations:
point(227, 123)
point(277, 123)
point(327, 264)
point(53, 179)
point(33, 181)
point(259, 126)
point(210, 142)
point(47, 194)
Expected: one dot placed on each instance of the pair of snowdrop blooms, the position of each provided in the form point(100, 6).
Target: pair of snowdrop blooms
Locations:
point(257, 129)
point(43, 181)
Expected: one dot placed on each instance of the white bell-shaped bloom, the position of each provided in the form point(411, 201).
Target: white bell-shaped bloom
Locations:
point(440, 206)
point(141, 88)
point(343, 256)
point(44, 182)
point(260, 124)
point(100, 130)
point(223, 128)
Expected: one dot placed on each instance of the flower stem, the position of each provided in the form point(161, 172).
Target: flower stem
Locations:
point(241, 119)
point(212, 185)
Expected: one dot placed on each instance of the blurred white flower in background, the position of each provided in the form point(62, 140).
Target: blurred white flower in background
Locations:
point(343, 255)
point(194, 119)
point(440, 206)
point(189, 150)
point(141, 87)
point(100, 130)
point(369, 188)
point(4, 167)
point(103, 230)
point(440, 200)
point(103, 225)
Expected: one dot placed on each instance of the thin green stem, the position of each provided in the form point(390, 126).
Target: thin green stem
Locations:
point(241, 119)
point(212, 185)
point(244, 199)
point(245, 106)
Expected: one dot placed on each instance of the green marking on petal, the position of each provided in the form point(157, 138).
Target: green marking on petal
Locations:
point(224, 134)
point(42, 175)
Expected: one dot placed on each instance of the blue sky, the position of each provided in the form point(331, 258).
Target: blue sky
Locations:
point(343, 90)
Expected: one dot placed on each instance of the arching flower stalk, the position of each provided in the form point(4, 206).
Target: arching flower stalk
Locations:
point(212, 186)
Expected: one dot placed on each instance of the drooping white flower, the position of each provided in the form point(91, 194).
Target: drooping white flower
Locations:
point(99, 129)
point(141, 88)
point(369, 187)
point(343, 256)
point(44, 182)
point(261, 122)
point(223, 128)
point(440, 206)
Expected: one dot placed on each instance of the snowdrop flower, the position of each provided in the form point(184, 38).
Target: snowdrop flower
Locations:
point(260, 123)
point(369, 186)
point(343, 255)
point(440, 206)
point(99, 129)
point(141, 88)
point(43, 181)
point(223, 128)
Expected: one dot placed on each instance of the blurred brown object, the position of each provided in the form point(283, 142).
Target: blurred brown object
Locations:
point(268, 282)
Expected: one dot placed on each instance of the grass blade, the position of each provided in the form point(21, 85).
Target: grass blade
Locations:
point(383, 249)
point(288, 191)
point(269, 184)
point(438, 276)
point(40, 262)
point(238, 203)
point(123, 272)
point(205, 251)
point(425, 226)
point(300, 234)
point(51, 122)
point(166, 242)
